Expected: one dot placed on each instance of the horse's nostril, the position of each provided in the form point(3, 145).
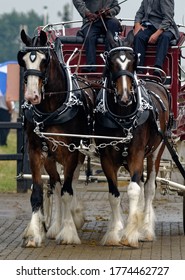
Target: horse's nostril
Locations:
point(36, 97)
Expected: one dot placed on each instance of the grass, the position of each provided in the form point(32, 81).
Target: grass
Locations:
point(8, 168)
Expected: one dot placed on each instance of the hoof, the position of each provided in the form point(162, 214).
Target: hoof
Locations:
point(147, 239)
point(67, 242)
point(126, 243)
point(112, 243)
point(53, 231)
point(29, 242)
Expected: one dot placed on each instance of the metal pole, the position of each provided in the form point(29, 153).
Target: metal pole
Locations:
point(103, 179)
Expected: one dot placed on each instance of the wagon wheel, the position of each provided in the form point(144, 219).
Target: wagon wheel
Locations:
point(47, 205)
point(184, 211)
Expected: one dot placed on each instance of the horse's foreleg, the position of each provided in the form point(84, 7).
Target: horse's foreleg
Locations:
point(68, 233)
point(55, 184)
point(77, 208)
point(57, 217)
point(34, 233)
point(131, 231)
point(148, 226)
point(115, 227)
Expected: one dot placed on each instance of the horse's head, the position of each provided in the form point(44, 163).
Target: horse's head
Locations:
point(35, 59)
point(121, 64)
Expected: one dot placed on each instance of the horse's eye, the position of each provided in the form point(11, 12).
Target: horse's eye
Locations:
point(131, 54)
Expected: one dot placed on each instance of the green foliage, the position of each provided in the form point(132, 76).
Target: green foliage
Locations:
point(8, 168)
point(66, 14)
point(10, 25)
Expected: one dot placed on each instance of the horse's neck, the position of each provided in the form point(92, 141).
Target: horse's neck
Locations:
point(51, 102)
point(55, 90)
point(57, 80)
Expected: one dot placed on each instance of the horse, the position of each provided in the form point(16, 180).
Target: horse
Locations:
point(55, 102)
point(137, 112)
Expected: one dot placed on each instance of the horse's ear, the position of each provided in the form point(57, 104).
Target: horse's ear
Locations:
point(129, 40)
point(111, 43)
point(25, 38)
point(43, 38)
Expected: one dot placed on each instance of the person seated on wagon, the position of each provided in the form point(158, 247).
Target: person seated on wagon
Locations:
point(102, 16)
point(154, 24)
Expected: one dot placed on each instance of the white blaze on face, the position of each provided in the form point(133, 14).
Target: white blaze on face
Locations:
point(32, 92)
point(123, 61)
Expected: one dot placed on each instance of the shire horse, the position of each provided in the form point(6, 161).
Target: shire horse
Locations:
point(54, 103)
point(137, 112)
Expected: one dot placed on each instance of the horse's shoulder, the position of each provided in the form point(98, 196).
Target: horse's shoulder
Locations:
point(158, 94)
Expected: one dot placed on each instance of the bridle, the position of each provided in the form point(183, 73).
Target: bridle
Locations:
point(115, 75)
point(43, 75)
point(120, 73)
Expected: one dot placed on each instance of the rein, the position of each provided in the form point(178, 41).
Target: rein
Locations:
point(93, 85)
point(80, 51)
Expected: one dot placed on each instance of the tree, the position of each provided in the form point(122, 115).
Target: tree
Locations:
point(66, 15)
point(10, 25)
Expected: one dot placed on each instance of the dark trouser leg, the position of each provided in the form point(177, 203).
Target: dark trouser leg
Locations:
point(90, 37)
point(162, 47)
point(141, 41)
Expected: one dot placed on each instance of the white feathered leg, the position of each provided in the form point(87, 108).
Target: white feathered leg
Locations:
point(131, 233)
point(68, 233)
point(77, 208)
point(34, 234)
point(147, 231)
point(57, 217)
point(115, 227)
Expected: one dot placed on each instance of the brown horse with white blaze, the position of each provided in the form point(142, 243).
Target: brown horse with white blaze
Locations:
point(138, 113)
point(54, 104)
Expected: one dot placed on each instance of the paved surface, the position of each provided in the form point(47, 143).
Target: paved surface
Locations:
point(15, 213)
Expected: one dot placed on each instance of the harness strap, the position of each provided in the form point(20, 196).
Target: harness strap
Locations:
point(120, 73)
point(80, 51)
point(34, 72)
point(103, 22)
point(159, 99)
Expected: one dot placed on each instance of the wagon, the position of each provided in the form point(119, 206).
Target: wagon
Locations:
point(74, 57)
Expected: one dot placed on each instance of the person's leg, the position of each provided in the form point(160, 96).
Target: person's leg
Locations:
point(141, 41)
point(90, 37)
point(163, 44)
